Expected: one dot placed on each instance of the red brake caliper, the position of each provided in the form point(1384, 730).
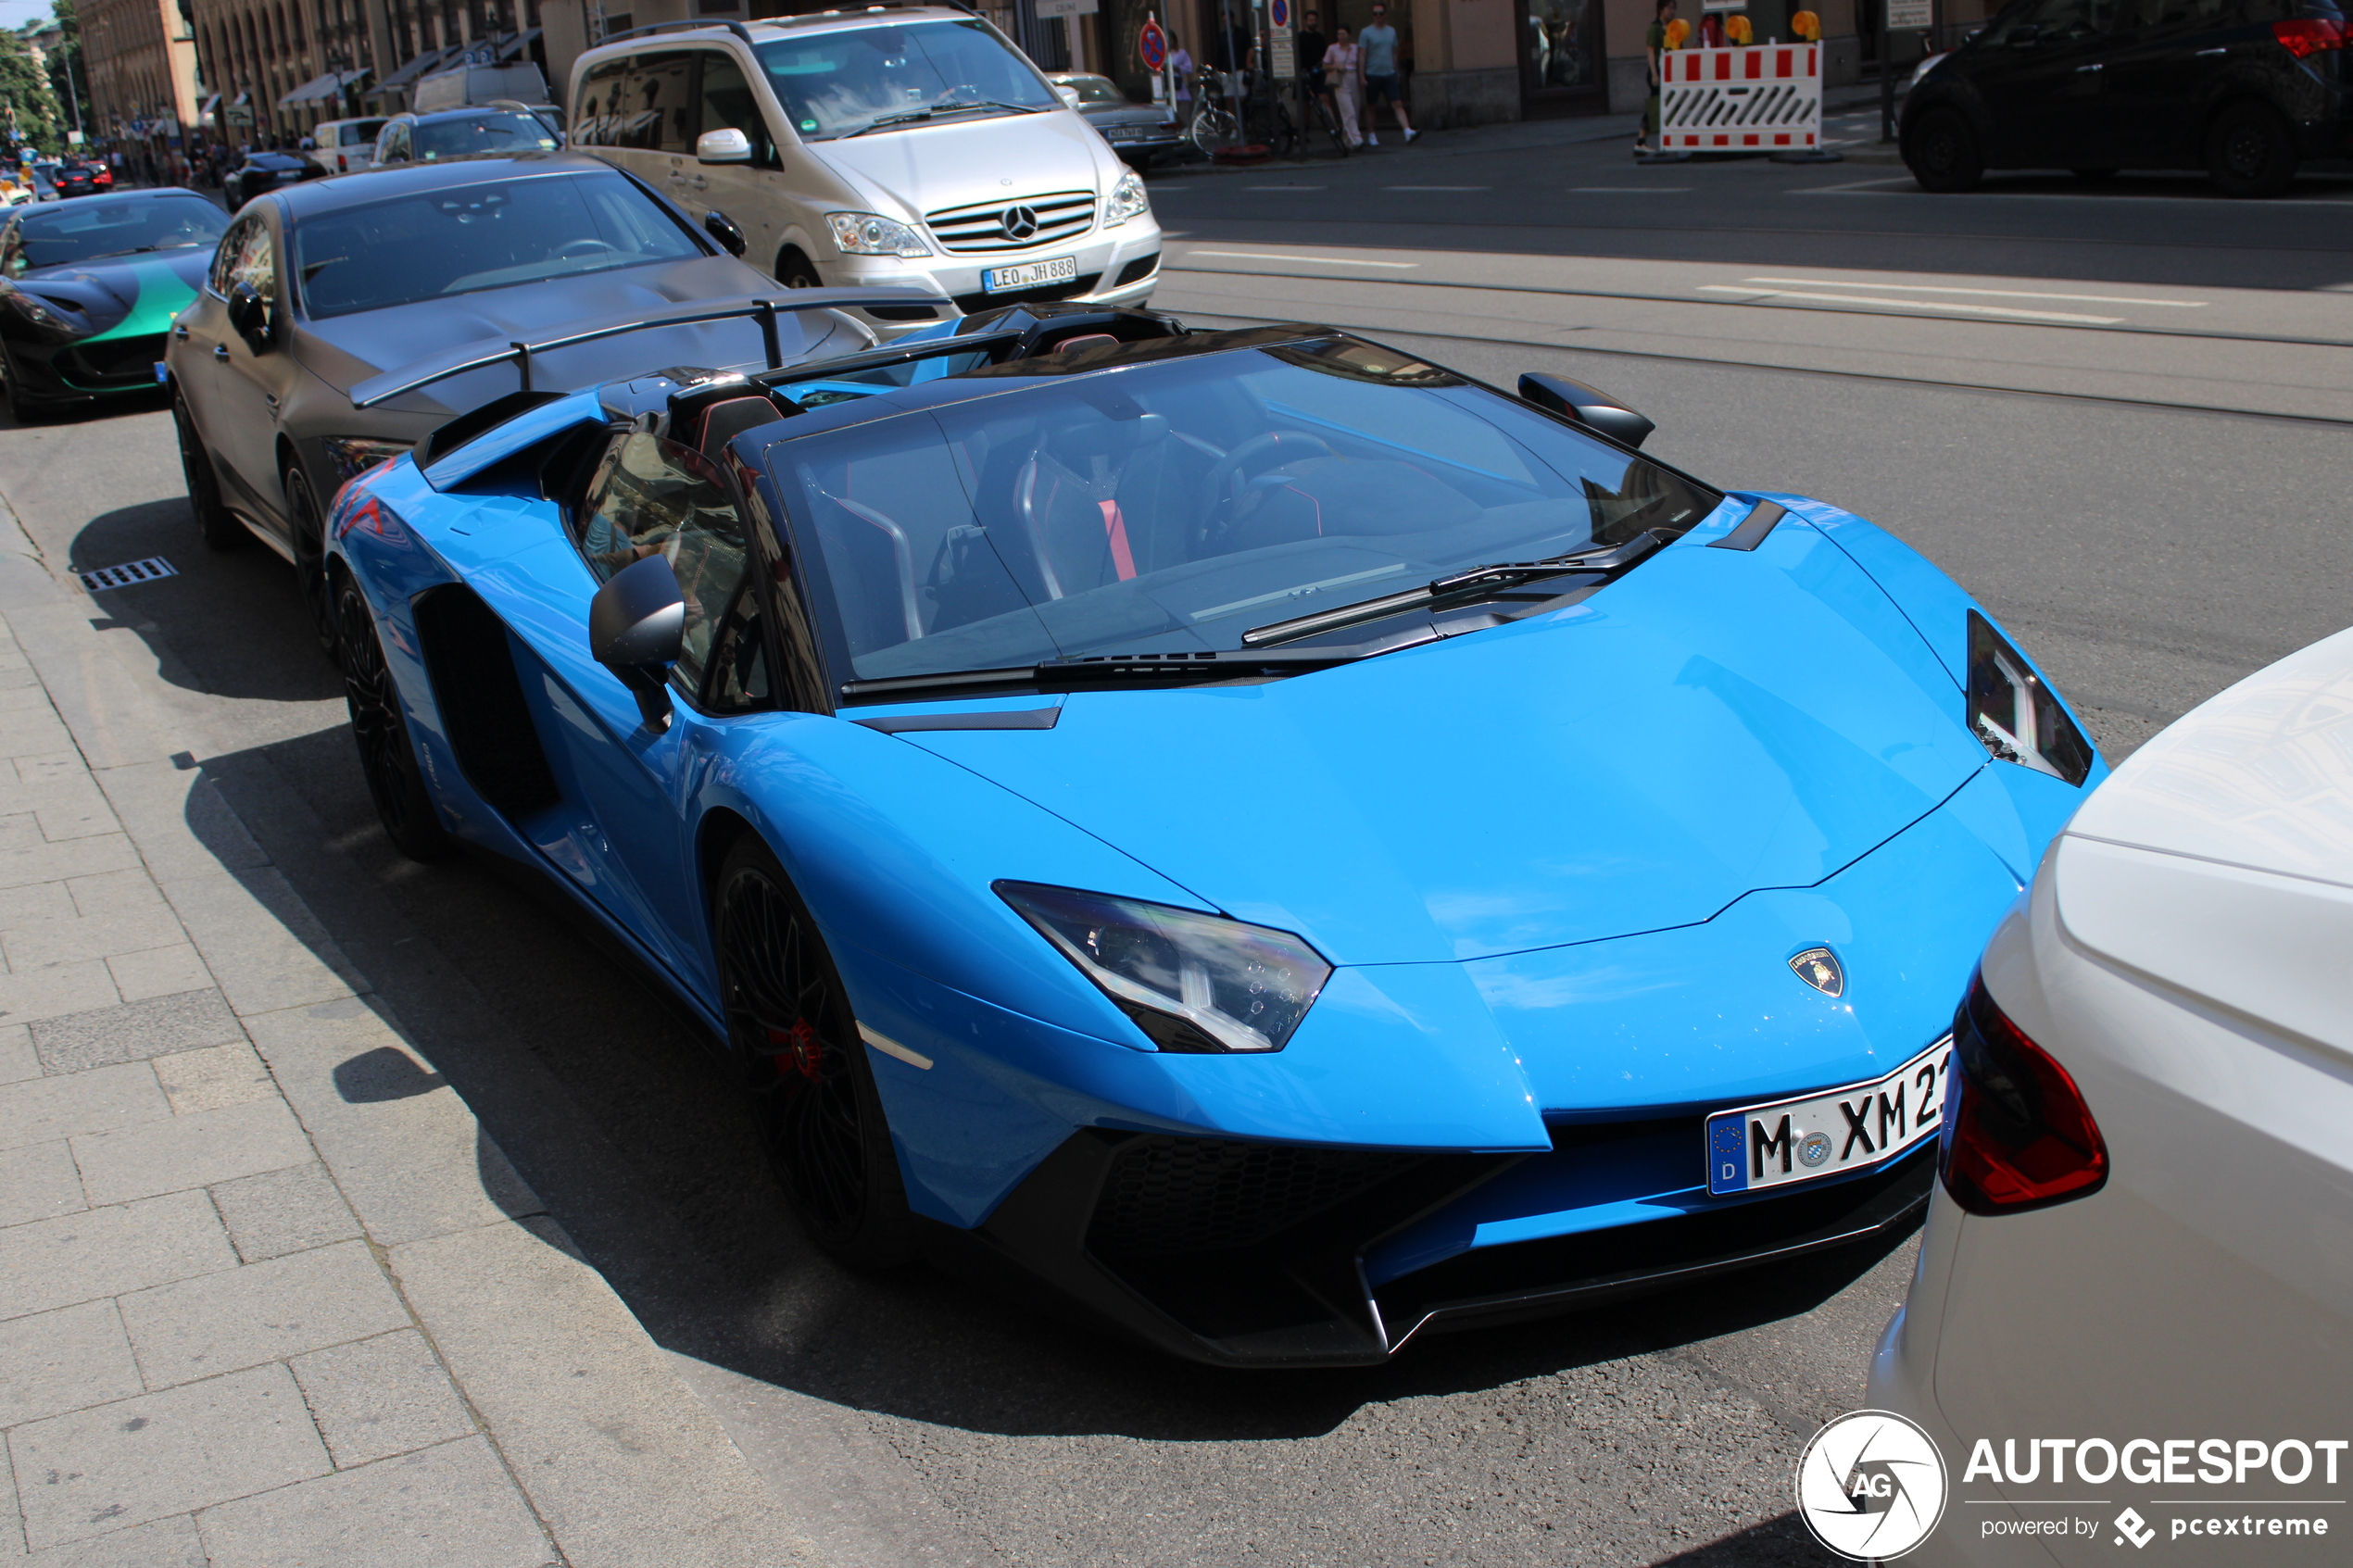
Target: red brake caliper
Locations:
point(803, 1052)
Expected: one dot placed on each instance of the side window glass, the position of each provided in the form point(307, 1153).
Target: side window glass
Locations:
point(599, 110)
point(224, 261)
point(653, 497)
point(2067, 21)
point(727, 101)
point(256, 262)
point(659, 114)
point(740, 656)
point(12, 252)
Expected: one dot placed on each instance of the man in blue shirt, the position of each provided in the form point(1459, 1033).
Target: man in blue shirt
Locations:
point(1379, 44)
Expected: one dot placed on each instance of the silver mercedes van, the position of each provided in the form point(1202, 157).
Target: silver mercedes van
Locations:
point(896, 146)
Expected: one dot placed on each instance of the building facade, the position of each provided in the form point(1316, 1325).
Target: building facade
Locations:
point(140, 74)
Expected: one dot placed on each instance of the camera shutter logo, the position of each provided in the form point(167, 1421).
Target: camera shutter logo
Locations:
point(1019, 222)
point(1871, 1486)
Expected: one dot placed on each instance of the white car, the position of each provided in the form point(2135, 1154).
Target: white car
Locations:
point(345, 145)
point(900, 148)
point(2132, 1319)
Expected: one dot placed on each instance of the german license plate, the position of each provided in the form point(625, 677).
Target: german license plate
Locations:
point(1829, 1134)
point(1029, 274)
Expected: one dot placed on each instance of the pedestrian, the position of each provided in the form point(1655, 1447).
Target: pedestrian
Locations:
point(1379, 43)
point(1310, 46)
point(1655, 61)
point(1181, 66)
point(1343, 74)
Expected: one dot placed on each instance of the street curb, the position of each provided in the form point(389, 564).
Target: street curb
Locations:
point(617, 1454)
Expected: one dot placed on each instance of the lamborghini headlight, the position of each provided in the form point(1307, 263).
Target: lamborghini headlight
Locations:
point(2017, 717)
point(866, 234)
point(1192, 982)
point(355, 455)
point(1127, 200)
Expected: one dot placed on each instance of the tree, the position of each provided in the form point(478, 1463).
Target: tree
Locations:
point(26, 101)
point(69, 72)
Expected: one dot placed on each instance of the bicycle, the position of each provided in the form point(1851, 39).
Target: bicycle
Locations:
point(1214, 130)
point(1320, 119)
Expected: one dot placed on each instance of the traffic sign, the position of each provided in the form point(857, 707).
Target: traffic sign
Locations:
point(1904, 16)
point(1152, 43)
point(1278, 12)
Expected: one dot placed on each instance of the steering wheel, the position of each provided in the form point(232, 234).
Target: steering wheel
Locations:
point(586, 247)
point(1218, 493)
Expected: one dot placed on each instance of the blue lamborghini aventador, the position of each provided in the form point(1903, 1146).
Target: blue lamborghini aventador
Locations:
point(1279, 842)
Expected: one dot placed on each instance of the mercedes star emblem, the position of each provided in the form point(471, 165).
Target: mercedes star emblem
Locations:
point(1820, 968)
point(1019, 222)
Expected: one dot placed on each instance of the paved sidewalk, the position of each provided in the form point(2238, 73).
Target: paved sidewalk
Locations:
point(268, 1294)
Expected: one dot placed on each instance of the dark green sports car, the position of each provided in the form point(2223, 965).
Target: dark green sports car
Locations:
point(88, 289)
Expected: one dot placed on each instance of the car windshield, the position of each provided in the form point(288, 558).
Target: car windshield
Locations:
point(88, 228)
point(494, 234)
point(1093, 90)
point(1182, 500)
point(839, 83)
point(493, 131)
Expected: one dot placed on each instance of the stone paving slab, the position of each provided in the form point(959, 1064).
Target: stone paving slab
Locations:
point(38, 1182)
point(45, 1110)
point(261, 1312)
point(283, 1212)
point(166, 1543)
point(135, 1030)
point(109, 1252)
point(189, 1151)
point(158, 1454)
point(64, 1360)
point(447, 1507)
point(376, 1397)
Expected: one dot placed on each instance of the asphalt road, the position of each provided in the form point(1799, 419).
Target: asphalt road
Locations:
point(2153, 501)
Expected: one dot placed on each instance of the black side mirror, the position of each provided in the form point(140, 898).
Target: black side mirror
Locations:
point(2025, 36)
point(1590, 406)
point(723, 229)
point(636, 628)
point(249, 316)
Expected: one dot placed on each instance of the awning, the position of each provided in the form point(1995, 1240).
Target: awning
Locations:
point(415, 68)
point(310, 92)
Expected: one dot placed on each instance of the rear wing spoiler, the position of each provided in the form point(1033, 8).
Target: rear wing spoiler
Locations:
point(486, 352)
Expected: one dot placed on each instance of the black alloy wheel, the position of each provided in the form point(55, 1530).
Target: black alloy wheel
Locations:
point(788, 1019)
point(1941, 151)
point(309, 525)
point(2250, 151)
point(25, 410)
point(796, 271)
point(220, 530)
point(387, 758)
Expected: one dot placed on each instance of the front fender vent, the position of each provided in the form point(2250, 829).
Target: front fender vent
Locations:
point(471, 663)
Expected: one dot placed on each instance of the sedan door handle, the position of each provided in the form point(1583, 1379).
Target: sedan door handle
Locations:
point(698, 183)
point(2081, 71)
point(2209, 54)
point(179, 332)
point(221, 352)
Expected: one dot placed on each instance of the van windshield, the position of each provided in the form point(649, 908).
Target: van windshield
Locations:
point(900, 74)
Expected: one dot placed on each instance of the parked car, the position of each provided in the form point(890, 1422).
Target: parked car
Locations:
point(345, 145)
point(1138, 133)
point(263, 171)
point(908, 146)
point(498, 131)
point(89, 289)
point(1088, 778)
point(76, 177)
point(2150, 1150)
point(343, 319)
point(2246, 90)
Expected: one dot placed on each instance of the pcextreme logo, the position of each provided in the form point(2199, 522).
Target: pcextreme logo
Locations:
point(1871, 1485)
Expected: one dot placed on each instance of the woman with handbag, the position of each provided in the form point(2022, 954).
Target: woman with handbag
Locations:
point(1344, 74)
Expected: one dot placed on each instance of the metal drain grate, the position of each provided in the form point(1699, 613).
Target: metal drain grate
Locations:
point(124, 576)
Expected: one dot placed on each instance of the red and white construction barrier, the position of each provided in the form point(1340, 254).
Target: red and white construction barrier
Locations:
point(1728, 100)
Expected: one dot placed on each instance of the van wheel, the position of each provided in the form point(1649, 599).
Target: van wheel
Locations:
point(2250, 151)
point(796, 270)
point(1941, 151)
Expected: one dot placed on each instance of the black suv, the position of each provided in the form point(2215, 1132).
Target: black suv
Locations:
point(2244, 89)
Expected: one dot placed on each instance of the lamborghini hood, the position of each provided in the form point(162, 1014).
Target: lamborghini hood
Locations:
point(1714, 724)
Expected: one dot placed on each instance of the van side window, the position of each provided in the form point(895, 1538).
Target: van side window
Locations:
point(599, 112)
point(659, 114)
point(727, 101)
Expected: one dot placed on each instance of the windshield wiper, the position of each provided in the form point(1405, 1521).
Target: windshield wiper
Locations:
point(934, 111)
point(1105, 672)
point(1459, 588)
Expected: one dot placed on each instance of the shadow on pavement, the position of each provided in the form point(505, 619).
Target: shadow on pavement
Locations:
point(636, 1137)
